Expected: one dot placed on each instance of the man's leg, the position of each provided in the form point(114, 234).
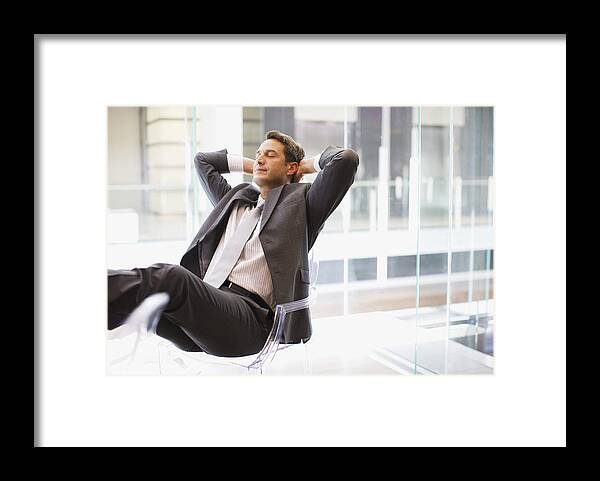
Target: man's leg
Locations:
point(170, 331)
point(218, 322)
point(123, 287)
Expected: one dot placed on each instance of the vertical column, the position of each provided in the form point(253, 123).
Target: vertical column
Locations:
point(165, 146)
point(489, 223)
point(414, 179)
point(415, 225)
point(383, 193)
point(457, 208)
point(165, 157)
point(192, 186)
point(218, 128)
point(346, 211)
point(450, 229)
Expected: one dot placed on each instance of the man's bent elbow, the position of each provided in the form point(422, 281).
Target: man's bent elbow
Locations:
point(351, 157)
point(200, 157)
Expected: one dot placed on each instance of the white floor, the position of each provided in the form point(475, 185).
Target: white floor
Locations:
point(380, 343)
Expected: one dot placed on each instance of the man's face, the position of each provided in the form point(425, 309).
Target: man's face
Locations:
point(270, 168)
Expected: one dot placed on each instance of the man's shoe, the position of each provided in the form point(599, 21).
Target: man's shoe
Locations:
point(144, 318)
point(142, 321)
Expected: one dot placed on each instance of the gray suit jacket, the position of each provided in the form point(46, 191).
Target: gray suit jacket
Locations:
point(293, 216)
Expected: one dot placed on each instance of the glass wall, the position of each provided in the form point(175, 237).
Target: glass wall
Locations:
point(470, 301)
point(455, 242)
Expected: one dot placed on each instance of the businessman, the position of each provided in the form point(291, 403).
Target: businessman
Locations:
point(250, 254)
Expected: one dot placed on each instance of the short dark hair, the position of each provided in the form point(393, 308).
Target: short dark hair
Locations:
point(292, 150)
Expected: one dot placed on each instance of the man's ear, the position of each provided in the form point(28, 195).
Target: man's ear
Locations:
point(293, 168)
point(294, 173)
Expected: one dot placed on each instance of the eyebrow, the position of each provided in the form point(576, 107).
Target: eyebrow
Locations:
point(266, 150)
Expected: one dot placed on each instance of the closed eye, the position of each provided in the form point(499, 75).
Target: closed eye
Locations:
point(269, 153)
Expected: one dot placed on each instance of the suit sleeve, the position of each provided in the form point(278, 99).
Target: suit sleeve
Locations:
point(338, 168)
point(210, 166)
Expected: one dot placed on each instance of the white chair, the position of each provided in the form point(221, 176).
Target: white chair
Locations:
point(202, 363)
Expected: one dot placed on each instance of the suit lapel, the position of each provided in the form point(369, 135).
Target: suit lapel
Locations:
point(248, 194)
point(270, 204)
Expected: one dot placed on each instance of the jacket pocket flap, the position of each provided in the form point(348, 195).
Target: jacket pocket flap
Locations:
point(305, 275)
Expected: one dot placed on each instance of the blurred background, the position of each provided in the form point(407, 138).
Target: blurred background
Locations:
point(405, 279)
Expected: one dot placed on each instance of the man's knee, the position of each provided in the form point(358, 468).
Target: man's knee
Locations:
point(174, 276)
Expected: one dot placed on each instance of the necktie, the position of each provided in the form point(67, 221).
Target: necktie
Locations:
point(220, 268)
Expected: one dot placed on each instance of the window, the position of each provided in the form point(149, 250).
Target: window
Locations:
point(146, 174)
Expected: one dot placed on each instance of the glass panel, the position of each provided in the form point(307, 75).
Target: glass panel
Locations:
point(146, 174)
point(364, 136)
point(315, 128)
point(473, 142)
point(455, 250)
point(363, 209)
point(401, 266)
point(471, 320)
point(331, 272)
point(402, 125)
point(390, 294)
point(362, 269)
point(433, 238)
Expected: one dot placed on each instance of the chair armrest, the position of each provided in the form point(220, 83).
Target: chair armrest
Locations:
point(293, 306)
point(265, 356)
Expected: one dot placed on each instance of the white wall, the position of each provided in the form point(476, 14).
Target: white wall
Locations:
point(123, 145)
